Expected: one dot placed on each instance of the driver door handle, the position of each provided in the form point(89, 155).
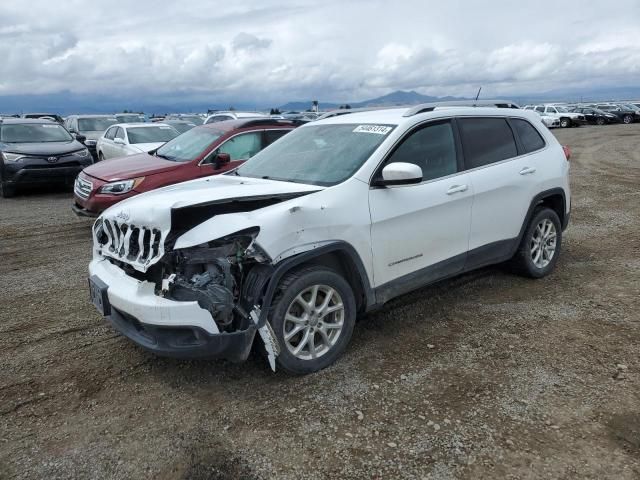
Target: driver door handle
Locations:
point(527, 170)
point(457, 189)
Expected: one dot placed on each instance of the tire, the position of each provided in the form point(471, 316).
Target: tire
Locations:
point(316, 339)
point(565, 122)
point(600, 121)
point(535, 263)
point(7, 191)
point(100, 157)
point(627, 119)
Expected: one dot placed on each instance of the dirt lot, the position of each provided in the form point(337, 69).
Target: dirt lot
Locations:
point(485, 376)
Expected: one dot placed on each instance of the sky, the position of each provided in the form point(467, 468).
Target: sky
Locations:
point(346, 50)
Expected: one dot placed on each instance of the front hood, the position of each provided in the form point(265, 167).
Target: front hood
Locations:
point(44, 148)
point(147, 147)
point(191, 203)
point(132, 166)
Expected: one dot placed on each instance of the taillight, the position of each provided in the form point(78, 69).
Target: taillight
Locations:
point(567, 152)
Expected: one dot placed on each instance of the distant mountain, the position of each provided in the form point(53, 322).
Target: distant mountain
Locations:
point(399, 97)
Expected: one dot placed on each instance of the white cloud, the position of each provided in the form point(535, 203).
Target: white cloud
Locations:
point(281, 50)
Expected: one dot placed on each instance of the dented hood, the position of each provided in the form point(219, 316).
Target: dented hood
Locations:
point(156, 208)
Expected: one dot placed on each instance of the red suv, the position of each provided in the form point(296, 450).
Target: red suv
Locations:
point(202, 151)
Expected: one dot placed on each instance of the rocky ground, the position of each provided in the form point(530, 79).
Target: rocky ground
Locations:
point(488, 375)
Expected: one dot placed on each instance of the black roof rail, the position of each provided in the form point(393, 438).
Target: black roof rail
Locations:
point(430, 107)
point(256, 122)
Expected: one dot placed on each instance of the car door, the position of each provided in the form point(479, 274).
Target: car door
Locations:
point(106, 142)
point(504, 177)
point(420, 232)
point(119, 148)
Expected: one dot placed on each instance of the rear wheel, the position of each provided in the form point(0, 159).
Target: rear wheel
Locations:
point(540, 246)
point(600, 121)
point(565, 122)
point(313, 317)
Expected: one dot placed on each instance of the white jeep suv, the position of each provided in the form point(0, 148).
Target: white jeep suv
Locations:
point(332, 220)
point(566, 118)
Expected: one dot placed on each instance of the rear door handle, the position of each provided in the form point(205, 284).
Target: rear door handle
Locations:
point(527, 170)
point(457, 189)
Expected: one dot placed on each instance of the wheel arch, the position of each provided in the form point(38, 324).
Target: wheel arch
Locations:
point(339, 256)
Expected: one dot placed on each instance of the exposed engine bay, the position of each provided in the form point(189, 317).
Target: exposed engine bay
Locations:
point(217, 275)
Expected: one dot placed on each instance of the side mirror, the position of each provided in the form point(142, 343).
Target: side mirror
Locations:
point(400, 173)
point(220, 160)
point(80, 138)
point(119, 141)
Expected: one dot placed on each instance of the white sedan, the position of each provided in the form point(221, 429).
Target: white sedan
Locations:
point(125, 139)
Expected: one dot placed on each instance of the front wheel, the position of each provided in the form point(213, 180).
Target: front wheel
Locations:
point(540, 246)
point(600, 121)
point(565, 122)
point(627, 119)
point(100, 156)
point(7, 191)
point(313, 317)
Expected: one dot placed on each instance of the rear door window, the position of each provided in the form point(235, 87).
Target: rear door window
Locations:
point(530, 139)
point(486, 141)
point(271, 136)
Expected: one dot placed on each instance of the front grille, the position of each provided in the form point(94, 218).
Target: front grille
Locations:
point(82, 188)
point(136, 245)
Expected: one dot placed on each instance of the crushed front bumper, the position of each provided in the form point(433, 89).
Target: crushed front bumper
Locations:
point(165, 327)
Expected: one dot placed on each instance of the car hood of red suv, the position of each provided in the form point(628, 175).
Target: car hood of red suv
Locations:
point(140, 165)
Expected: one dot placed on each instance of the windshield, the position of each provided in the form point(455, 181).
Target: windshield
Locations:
point(183, 127)
point(130, 118)
point(198, 120)
point(318, 155)
point(151, 134)
point(33, 133)
point(188, 146)
point(95, 124)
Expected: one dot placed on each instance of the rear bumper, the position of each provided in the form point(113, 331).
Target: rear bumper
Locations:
point(163, 326)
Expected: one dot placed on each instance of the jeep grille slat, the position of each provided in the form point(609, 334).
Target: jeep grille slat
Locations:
point(136, 245)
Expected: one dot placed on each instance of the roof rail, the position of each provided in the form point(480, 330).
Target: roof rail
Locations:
point(430, 107)
point(256, 122)
point(345, 111)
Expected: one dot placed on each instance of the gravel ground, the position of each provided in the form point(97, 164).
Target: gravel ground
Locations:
point(488, 375)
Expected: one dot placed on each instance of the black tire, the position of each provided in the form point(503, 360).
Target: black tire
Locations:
point(100, 157)
point(290, 287)
point(601, 121)
point(522, 261)
point(627, 119)
point(565, 122)
point(7, 191)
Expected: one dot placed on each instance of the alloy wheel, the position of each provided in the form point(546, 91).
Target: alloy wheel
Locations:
point(313, 322)
point(543, 243)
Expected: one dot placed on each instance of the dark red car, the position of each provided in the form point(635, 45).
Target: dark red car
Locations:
point(202, 151)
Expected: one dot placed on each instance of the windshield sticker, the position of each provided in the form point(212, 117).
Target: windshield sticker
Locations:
point(378, 129)
point(49, 126)
point(165, 128)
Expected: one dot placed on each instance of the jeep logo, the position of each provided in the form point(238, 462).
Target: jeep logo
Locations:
point(123, 216)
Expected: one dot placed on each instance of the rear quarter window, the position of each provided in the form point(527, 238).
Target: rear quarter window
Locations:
point(486, 141)
point(530, 139)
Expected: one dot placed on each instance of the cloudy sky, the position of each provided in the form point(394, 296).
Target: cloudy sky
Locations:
point(348, 50)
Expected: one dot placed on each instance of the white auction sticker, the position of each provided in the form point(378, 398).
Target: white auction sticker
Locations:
point(379, 129)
